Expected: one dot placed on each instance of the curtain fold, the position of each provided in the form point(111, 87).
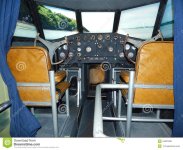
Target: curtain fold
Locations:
point(23, 123)
point(178, 68)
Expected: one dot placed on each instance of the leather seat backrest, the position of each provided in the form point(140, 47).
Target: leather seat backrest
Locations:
point(29, 64)
point(154, 65)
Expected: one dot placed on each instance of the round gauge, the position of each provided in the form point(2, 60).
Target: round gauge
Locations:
point(65, 47)
point(130, 55)
point(100, 37)
point(92, 37)
point(107, 37)
point(127, 47)
point(71, 54)
point(62, 55)
point(110, 49)
point(79, 54)
point(78, 49)
point(134, 48)
point(115, 37)
point(78, 43)
point(88, 49)
point(121, 55)
point(99, 45)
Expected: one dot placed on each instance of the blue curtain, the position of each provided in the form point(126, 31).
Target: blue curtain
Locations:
point(23, 123)
point(178, 68)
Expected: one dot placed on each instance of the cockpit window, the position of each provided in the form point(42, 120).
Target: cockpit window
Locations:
point(57, 22)
point(98, 22)
point(25, 26)
point(139, 22)
point(168, 21)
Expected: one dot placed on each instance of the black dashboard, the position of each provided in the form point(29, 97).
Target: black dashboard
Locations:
point(97, 48)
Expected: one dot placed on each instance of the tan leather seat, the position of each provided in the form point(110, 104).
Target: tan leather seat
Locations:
point(32, 65)
point(154, 66)
point(124, 75)
point(96, 75)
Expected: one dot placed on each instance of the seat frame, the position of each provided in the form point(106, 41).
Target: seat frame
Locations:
point(131, 86)
point(53, 101)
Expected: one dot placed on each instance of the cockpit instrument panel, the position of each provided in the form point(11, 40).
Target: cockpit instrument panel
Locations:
point(98, 48)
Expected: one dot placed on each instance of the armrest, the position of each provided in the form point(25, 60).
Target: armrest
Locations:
point(60, 76)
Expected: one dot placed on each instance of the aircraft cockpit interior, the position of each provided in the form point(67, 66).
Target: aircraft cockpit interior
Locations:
point(95, 68)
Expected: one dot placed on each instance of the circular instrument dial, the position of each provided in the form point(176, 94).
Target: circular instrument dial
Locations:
point(78, 49)
point(71, 54)
point(107, 37)
point(121, 55)
point(110, 49)
point(88, 49)
point(65, 47)
point(100, 37)
point(127, 47)
point(130, 55)
point(62, 55)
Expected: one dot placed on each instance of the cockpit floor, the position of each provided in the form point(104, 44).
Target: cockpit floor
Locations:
point(86, 125)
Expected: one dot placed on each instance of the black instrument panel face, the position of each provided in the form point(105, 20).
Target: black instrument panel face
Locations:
point(98, 48)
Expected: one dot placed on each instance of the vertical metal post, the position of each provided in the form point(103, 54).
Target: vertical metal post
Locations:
point(53, 103)
point(67, 102)
point(130, 102)
point(79, 87)
point(119, 103)
point(32, 110)
point(80, 96)
point(158, 114)
point(114, 82)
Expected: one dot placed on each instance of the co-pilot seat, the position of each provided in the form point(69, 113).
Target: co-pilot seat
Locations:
point(31, 68)
point(153, 82)
point(154, 66)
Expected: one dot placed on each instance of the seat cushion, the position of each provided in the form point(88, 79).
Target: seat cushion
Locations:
point(60, 76)
point(36, 94)
point(124, 75)
point(62, 87)
point(97, 75)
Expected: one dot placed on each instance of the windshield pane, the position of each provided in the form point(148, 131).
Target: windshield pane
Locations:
point(98, 22)
point(168, 21)
point(25, 26)
point(57, 22)
point(139, 22)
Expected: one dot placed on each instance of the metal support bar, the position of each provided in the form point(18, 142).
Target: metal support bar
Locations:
point(98, 119)
point(79, 87)
point(130, 102)
point(137, 119)
point(119, 103)
point(158, 114)
point(80, 96)
point(98, 122)
point(26, 84)
point(153, 86)
point(32, 110)
point(53, 102)
point(154, 106)
point(67, 102)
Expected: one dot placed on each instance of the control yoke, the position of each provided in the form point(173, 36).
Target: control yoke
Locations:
point(52, 47)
